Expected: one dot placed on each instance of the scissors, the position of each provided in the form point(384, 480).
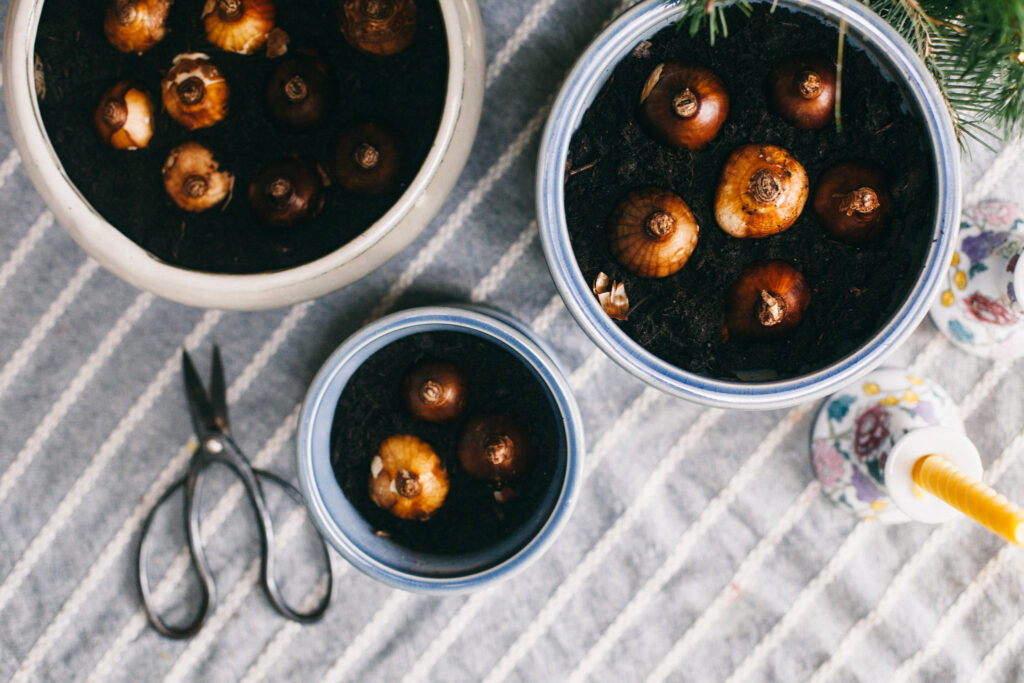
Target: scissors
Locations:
point(210, 419)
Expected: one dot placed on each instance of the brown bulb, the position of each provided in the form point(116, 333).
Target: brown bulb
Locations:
point(365, 159)
point(136, 25)
point(435, 391)
point(378, 27)
point(241, 26)
point(761, 192)
point(193, 180)
point(495, 448)
point(287, 193)
point(803, 91)
point(767, 301)
point(652, 232)
point(195, 93)
point(298, 93)
point(683, 105)
point(407, 478)
point(851, 202)
point(124, 117)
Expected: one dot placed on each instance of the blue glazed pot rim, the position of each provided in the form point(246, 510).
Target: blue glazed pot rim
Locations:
point(342, 525)
point(575, 97)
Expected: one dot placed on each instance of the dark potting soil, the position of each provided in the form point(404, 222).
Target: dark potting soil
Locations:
point(370, 410)
point(405, 91)
point(854, 289)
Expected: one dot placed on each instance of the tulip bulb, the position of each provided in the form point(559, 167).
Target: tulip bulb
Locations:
point(193, 180)
point(242, 26)
point(684, 105)
point(195, 92)
point(378, 27)
point(407, 478)
point(767, 301)
point(762, 192)
point(124, 117)
point(136, 25)
point(652, 232)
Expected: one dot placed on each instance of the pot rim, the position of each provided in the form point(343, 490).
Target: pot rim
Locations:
point(324, 496)
point(586, 79)
point(129, 261)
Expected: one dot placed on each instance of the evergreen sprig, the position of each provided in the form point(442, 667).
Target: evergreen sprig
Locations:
point(973, 48)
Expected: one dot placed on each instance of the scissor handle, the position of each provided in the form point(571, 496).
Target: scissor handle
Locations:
point(232, 457)
point(207, 587)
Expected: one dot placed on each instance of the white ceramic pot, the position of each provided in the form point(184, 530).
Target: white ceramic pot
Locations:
point(385, 238)
point(581, 87)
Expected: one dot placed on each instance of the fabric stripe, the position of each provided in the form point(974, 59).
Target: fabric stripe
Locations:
point(523, 32)
point(20, 358)
point(710, 515)
point(498, 274)
point(277, 646)
point(9, 165)
point(65, 401)
point(966, 601)
point(752, 562)
point(1003, 651)
point(362, 646)
point(547, 317)
point(25, 246)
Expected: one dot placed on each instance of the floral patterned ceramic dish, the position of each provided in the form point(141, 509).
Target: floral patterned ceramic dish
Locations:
point(890, 414)
point(978, 308)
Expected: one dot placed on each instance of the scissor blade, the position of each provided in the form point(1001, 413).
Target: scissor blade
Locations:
point(204, 420)
point(218, 392)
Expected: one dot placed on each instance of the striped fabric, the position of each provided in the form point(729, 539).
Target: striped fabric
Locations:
point(701, 550)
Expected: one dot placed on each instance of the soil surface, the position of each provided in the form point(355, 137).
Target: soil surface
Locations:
point(371, 410)
point(405, 91)
point(854, 289)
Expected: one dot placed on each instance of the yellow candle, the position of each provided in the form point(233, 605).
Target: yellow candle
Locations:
point(937, 476)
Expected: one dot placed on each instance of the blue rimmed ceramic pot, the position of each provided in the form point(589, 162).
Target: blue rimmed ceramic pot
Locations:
point(384, 559)
point(895, 57)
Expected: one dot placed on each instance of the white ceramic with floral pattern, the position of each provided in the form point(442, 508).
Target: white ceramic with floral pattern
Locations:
point(978, 309)
point(868, 436)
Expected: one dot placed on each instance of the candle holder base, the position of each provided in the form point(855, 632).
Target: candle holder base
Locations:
point(859, 427)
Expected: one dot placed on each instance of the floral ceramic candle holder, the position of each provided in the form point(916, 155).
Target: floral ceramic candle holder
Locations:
point(867, 437)
point(978, 309)
point(892, 448)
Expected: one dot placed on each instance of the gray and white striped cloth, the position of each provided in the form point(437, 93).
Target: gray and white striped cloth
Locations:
point(701, 549)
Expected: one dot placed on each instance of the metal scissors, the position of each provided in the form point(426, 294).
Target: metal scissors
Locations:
point(210, 419)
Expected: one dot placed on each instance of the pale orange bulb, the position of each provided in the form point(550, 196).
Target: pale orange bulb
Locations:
point(407, 478)
point(762, 191)
point(652, 232)
point(241, 26)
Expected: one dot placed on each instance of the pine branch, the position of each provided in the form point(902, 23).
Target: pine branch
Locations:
point(973, 48)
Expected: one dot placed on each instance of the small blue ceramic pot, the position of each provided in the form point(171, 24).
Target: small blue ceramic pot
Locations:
point(894, 56)
point(383, 559)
